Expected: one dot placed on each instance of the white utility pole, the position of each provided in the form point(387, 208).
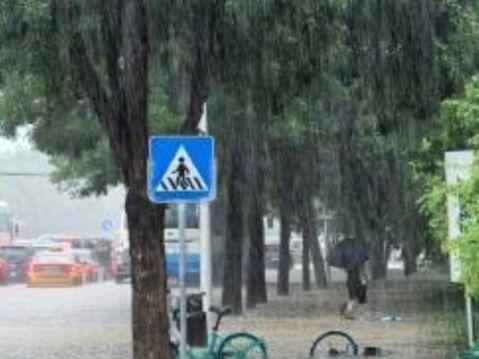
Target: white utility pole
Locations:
point(205, 239)
point(182, 275)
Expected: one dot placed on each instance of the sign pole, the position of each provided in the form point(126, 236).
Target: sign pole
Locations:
point(470, 320)
point(205, 280)
point(205, 240)
point(182, 272)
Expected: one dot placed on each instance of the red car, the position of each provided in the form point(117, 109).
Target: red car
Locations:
point(89, 267)
point(3, 271)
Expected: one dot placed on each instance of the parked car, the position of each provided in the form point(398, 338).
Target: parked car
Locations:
point(123, 272)
point(3, 271)
point(54, 268)
point(89, 267)
point(17, 258)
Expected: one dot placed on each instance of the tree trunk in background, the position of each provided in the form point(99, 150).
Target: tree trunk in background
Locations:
point(413, 241)
point(379, 258)
point(256, 281)
point(284, 165)
point(256, 284)
point(202, 12)
point(232, 276)
point(409, 257)
point(316, 254)
point(306, 258)
point(284, 255)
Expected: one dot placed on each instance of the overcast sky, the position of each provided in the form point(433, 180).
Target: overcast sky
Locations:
point(41, 206)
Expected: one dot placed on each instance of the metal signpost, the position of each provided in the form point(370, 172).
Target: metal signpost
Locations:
point(206, 276)
point(181, 170)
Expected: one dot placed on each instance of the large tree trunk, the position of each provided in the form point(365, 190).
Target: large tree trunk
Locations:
point(149, 320)
point(232, 277)
point(122, 111)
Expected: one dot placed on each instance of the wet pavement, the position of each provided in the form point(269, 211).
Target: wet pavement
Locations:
point(93, 322)
point(86, 322)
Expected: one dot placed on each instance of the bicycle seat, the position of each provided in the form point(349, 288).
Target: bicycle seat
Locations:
point(220, 311)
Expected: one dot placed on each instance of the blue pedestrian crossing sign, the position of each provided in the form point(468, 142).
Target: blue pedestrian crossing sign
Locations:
point(181, 169)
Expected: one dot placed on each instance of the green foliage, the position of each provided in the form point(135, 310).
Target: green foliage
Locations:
point(433, 205)
point(352, 86)
point(458, 50)
point(459, 130)
point(39, 87)
point(455, 127)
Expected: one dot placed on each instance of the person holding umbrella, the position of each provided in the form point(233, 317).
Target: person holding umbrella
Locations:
point(351, 255)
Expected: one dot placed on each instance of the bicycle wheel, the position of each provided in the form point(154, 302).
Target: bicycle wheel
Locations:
point(334, 344)
point(242, 346)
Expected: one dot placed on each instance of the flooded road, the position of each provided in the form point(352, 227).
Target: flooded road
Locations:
point(92, 321)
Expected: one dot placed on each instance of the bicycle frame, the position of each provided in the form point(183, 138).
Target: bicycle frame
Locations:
point(208, 352)
point(217, 339)
point(218, 342)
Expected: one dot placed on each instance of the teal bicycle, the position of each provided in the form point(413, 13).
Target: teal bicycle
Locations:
point(221, 345)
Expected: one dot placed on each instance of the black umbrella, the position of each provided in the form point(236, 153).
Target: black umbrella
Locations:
point(348, 253)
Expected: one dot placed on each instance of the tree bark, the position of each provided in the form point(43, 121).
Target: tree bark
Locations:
point(122, 112)
point(379, 258)
point(256, 284)
point(409, 258)
point(256, 281)
point(316, 254)
point(306, 258)
point(284, 181)
point(284, 255)
point(149, 320)
point(199, 75)
point(232, 277)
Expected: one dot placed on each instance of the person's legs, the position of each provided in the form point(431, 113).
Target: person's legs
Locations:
point(353, 283)
point(362, 294)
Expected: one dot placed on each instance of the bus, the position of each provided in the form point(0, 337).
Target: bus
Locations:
point(172, 243)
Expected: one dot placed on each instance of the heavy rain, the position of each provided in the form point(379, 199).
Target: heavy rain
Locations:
point(205, 179)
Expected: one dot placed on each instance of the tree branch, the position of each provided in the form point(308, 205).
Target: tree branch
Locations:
point(199, 77)
point(89, 78)
point(111, 34)
point(91, 85)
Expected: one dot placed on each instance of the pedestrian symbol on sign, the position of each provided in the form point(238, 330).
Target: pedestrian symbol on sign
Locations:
point(182, 171)
point(181, 175)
